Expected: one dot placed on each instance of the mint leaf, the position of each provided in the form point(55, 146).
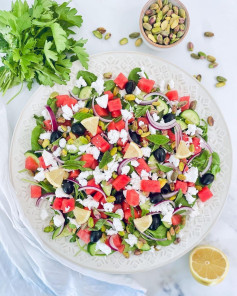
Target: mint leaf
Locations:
point(87, 76)
point(133, 74)
point(158, 139)
point(109, 85)
point(201, 161)
point(74, 165)
point(164, 168)
point(35, 137)
point(140, 110)
point(113, 215)
point(81, 115)
point(215, 165)
point(105, 159)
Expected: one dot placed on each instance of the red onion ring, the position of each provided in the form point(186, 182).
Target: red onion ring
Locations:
point(167, 195)
point(123, 163)
point(111, 243)
point(87, 187)
point(110, 223)
point(166, 201)
point(178, 135)
point(62, 226)
point(182, 208)
point(43, 197)
point(76, 97)
point(207, 147)
point(160, 126)
point(190, 160)
point(144, 102)
point(52, 118)
point(101, 118)
point(153, 238)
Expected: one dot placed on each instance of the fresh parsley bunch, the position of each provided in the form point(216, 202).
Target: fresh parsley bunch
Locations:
point(38, 45)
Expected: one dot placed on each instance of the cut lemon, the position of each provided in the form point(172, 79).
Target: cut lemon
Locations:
point(183, 151)
point(91, 124)
point(81, 215)
point(133, 151)
point(208, 265)
point(55, 177)
point(143, 223)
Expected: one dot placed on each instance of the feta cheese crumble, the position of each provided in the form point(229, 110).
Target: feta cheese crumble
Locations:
point(62, 143)
point(124, 136)
point(45, 136)
point(89, 202)
point(171, 84)
point(57, 152)
point(134, 163)
point(152, 130)
point(40, 176)
point(58, 220)
point(108, 207)
point(94, 151)
point(67, 112)
point(155, 117)
point(98, 85)
point(71, 148)
point(49, 159)
point(60, 193)
point(120, 213)
point(81, 82)
point(146, 151)
point(125, 170)
point(165, 209)
point(131, 240)
point(191, 175)
point(113, 136)
point(137, 91)
point(191, 129)
point(117, 224)
point(126, 114)
point(103, 247)
point(103, 101)
point(174, 160)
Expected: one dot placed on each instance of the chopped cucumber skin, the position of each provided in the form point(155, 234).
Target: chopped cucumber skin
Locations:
point(85, 92)
point(167, 225)
point(91, 249)
point(152, 162)
point(162, 107)
point(191, 116)
point(182, 124)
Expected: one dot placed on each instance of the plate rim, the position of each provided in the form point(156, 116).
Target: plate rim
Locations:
point(75, 266)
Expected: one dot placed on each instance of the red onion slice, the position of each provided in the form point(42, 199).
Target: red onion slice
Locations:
point(101, 118)
point(170, 194)
point(53, 118)
point(166, 201)
point(178, 135)
point(62, 226)
point(190, 160)
point(87, 187)
point(182, 208)
point(123, 163)
point(44, 196)
point(76, 97)
point(207, 147)
point(155, 99)
point(111, 243)
point(153, 238)
point(161, 126)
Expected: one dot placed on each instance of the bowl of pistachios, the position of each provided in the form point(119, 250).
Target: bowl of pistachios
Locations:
point(164, 23)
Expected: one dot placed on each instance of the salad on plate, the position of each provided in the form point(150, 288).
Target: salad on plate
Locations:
point(120, 164)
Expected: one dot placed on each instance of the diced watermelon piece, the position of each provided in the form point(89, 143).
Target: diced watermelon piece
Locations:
point(91, 183)
point(99, 131)
point(97, 196)
point(114, 105)
point(42, 163)
point(74, 174)
point(176, 219)
point(116, 207)
point(115, 114)
point(101, 111)
point(187, 99)
point(94, 164)
point(172, 95)
point(205, 194)
point(110, 94)
point(150, 185)
point(111, 126)
point(31, 164)
point(181, 185)
point(121, 81)
point(100, 143)
point(67, 123)
point(57, 204)
point(120, 182)
point(85, 235)
point(125, 205)
point(142, 120)
point(185, 137)
point(117, 242)
point(120, 143)
point(191, 184)
point(167, 157)
point(120, 125)
point(47, 125)
point(63, 100)
point(171, 135)
point(142, 166)
point(146, 85)
point(89, 159)
point(128, 214)
point(132, 198)
point(196, 143)
point(35, 191)
point(68, 205)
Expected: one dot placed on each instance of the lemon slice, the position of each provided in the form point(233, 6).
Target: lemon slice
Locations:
point(133, 151)
point(208, 265)
point(143, 223)
point(55, 177)
point(81, 215)
point(183, 151)
point(91, 124)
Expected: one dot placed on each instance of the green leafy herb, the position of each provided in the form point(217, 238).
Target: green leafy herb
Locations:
point(215, 166)
point(35, 137)
point(204, 127)
point(100, 223)
point(105, 159)
point(74, 165)
point(201, 161)
point(133, 75)
point(164, 168)
point(140, 110)
point(38, 44)
point(167, 147)
point(113, 215)
point(160, 232)
point(180, 199)
point(87, 76)
point(81, 115)
point(158, 139)
point(39, 120)
point(109, 85)
point(52, 104)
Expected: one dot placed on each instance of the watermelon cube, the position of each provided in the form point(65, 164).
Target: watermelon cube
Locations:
point(181, 185)
point(31, 164)
point(121, 81)
point(100, 143)
point(68, 205)
point(114, 105)
point(110, 94)
point(183, 99)
point(42, 163)
point(142, 166)
point(101, 111)
point(98, 196)
point(176, 219)
point(205, 194)
point(85, 235)
point(120, 125)
point(111, 126)
point(120, 182)
point(172, 95)
point(132, 198)
point(89, 159)
point(128, 214)
point(63, 100)
point(57, 204)
point(150, 185)
point(146, 85)
point(115, 114)
point(196, 143)
point(47, 125)
point(93, 184)
point(35, 191)
point(74, 174)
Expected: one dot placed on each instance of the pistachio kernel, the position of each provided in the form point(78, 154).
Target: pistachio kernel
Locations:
point(138, 42)
point(134, 35)
point(97, 34)
point(210, 120)
point(212, 65)
point(195, 56)
point(221, 79)
point(107, 75)
point(193, 105)
point(101, 30)
point(107, 36)
point(208, 34)
point(123, 41)
point(211, 59)
point(202, 55)
point(220, 84)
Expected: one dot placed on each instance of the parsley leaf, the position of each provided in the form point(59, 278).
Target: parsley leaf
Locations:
point(164, 168)
point(74, 165)
point(140, 110)
point(158, 139)
point(87, 76)
point(105, 159)
point(133, 74)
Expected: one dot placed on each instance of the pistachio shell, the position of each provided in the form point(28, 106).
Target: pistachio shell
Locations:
point(123, 41)
point(182, 13)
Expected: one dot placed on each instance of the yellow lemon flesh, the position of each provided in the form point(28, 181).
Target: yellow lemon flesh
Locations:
point(55, 177)
point(81, 215)
point(91, 124)
point(183, 151)
point(143, 223)
point(133, 151)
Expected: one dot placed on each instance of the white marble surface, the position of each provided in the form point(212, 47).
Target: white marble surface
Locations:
point(120, 17)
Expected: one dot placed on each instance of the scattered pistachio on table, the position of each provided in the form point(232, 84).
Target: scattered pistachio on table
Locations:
point(164, 23)
point(220, 84)
point(134, 35)
point(210, 120)
point(221, 79)
point(198, 77)
point(123, 41)
point(138, 42)
point(190, 46)
point(202, 55)
point(208, 34)
point(107, 36)
point(195, 56)
point(97, 34)
point(101, 30)
point(212, 65)
point(211, 59)
point(107, 75)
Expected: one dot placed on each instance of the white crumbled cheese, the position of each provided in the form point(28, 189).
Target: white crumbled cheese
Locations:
point(171, 84)
point(45, 114)
point(137, 91)
point(94, 151)
point(144, 175)
point(192, 190)
point(89, 202)
point(103, 247)
point(40, 176)
point(49, 159)
point(99, 176)
point(134, 163)
point(45, 136)
point(165, 209)
point(113, 136)
point(124, 136)
point(174, 160)
point(67, 112)
point(117, 224)
point(83, 182)
point(72, 148)
point(98, 85)
point(178, 112)
point(125, 170)
point(111, 231)
point(155, 117)
point(60, 193)
point(142, 198)
point(196, 209)
point(74, 222)
point(58, 220)
point(134, 182)
point(154, 177)
point(122, 92)
point(141, 123)
point(191, 175)
point(131, 240)
point(199, 131)
point(57, 152)
point(162, 121)
point(81, 82)
point(60, 129)
point(108, 207)
point(83, 148)
point(120, 213)
point(68, 129)
point(168, 176)
point(44, 214)
point(191, 129)
point(142, 73)
point(162, 85)
point(62, 143)
point(146, 151)
point(84, 175)
point(152, 130)
point(67, 209)
point(103, 101)
point(78, 106)
point(126, 114)
point(190, 199)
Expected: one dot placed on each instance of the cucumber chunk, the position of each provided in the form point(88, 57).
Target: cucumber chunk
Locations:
point(152, 162)
point(182, 124)
point(91, 249)
point(85, 92)
point(162, 107)
point(191, 116)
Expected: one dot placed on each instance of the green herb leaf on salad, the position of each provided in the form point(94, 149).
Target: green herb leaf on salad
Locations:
point(81, 116)
point(140, 110)
point(87, 76)
point(105, 159)
point(158, 139)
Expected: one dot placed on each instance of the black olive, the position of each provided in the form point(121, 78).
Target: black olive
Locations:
point(119, 197)
point(67, 187)
point(130, 86)
point(95, 236)
point(135, 137)
point(78, 129)
point(156, 221)
point(165, 189)
point(159, 154)
point(207, 179)
point(168, 117)
point(156, 198)
point(55, 135)
point(100, 156)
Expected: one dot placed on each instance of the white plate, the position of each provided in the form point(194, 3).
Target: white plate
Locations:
point(196, 228)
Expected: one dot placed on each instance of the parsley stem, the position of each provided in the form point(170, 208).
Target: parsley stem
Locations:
point(16, 94)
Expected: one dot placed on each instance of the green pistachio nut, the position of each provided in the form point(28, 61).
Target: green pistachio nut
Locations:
point(145, 19)
point(212, 65)
point(208, 34)
point(152, 20)
point(202, 55)
point(147, 26)
point(211, 59)
point(180, 34)
point(195, 56)
point(160, 39)
point(156, 30)
point(107, 36)
point(221, 79)
point(165, 9)
point(123, 41)
point(97, 34)
point(152, 38)
point(220, 84)
point(190, 46)
point(182, 13)
point(134, 35)
point(138, 42)
point(166, 41)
